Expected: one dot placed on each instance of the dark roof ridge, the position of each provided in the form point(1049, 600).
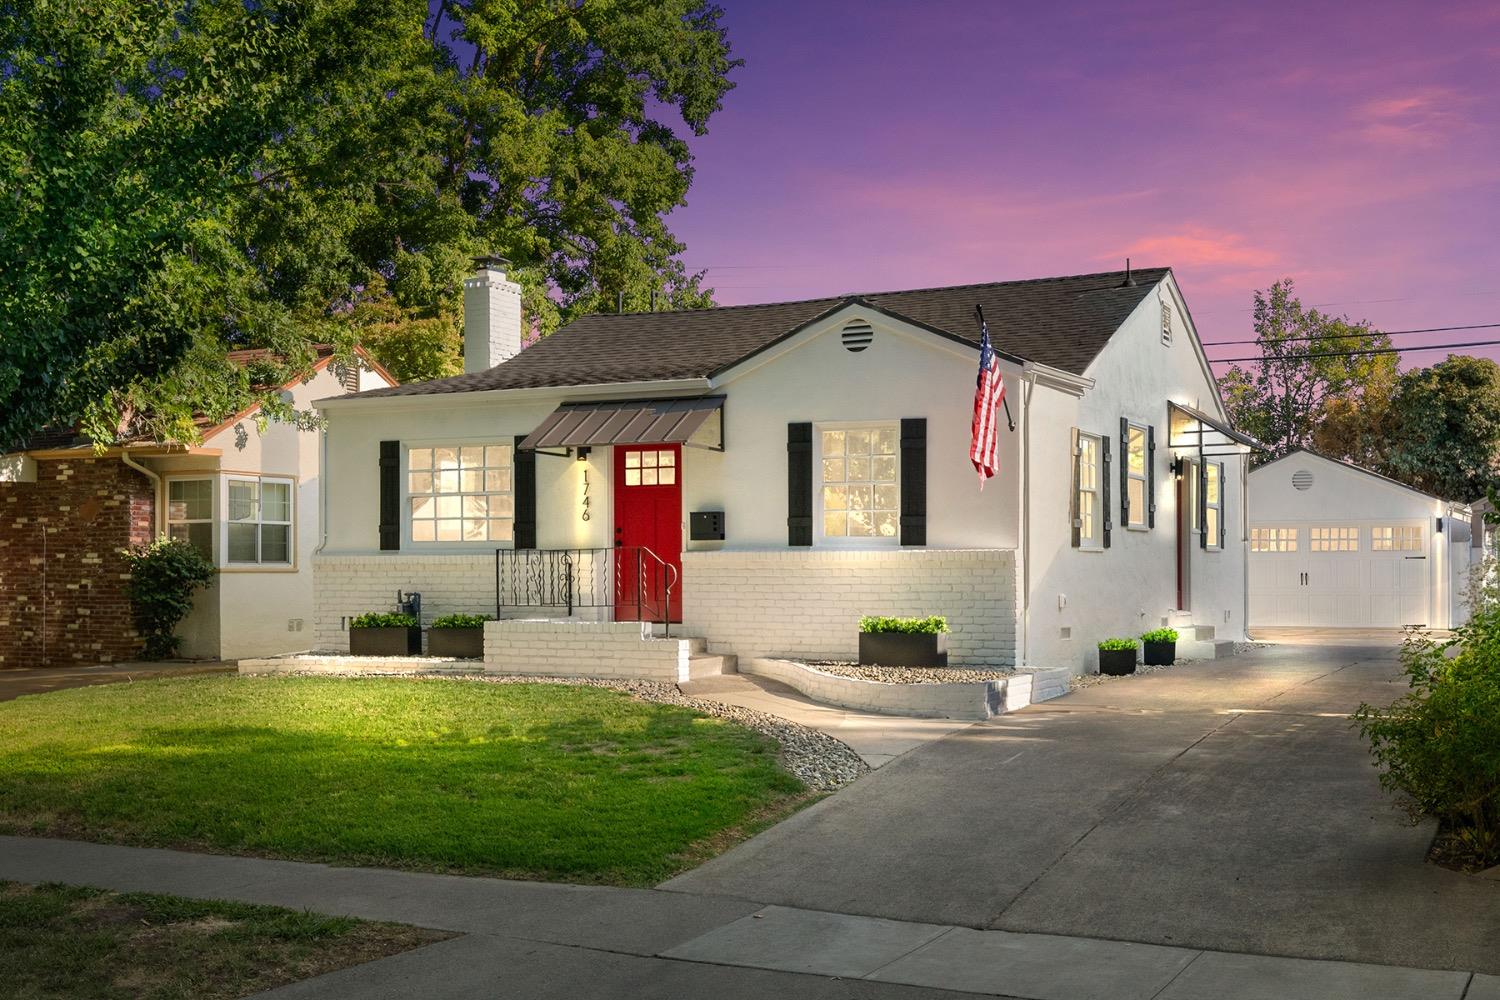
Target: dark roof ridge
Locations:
point(853, 296)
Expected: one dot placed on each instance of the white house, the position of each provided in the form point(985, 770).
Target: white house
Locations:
point(764, 475)
point(1335, 545)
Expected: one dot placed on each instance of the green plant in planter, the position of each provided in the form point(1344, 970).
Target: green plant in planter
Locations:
point(163, 576)
point(933, 625)
point(1160, 635)
point(460, 621)
point(384, 619)
point(1117, 643)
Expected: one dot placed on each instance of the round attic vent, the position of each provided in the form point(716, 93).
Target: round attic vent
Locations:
point(1302, 479)
point(857, 335)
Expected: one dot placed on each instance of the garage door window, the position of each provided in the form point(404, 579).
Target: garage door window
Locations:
point(1273, 539)
point(1396, 538)
point(1340, 539)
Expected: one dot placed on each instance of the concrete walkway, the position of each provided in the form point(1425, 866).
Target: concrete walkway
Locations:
point(40, 680)
point(879, 739)
point(543, 941)
point(1226, 805)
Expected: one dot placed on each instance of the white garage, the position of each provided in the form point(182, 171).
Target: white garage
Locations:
point(1333, 545)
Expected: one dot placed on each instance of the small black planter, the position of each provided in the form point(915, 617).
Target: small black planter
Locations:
point(1117, 662)
point(904, 649)
point(462, 643)
point(385, 641)
point(1160, 654)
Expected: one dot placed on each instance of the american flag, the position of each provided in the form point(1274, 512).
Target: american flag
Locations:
point(984, 446)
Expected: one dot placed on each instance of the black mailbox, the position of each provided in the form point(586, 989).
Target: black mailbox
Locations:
point(706, 526)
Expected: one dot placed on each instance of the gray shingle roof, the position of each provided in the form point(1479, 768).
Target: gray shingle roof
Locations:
point(1061, 322)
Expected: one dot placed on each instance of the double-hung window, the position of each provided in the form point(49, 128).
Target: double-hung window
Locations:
point(1213, 504)
point(861, 494)
point(1089, 509)
point(259, 530)
point(461, 493)
point(1135, 471)
point(190, 513)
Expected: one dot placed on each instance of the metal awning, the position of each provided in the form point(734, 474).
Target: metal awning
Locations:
point(696, 422)
point(1190, 428)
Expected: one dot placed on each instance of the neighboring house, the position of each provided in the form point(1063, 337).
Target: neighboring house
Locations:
point(248, 499)
point(1336, 545)
point(799, 464)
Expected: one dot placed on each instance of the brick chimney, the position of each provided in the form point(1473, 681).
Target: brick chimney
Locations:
point(492, 315)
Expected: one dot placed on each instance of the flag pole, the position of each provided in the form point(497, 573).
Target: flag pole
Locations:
point(1005, 399)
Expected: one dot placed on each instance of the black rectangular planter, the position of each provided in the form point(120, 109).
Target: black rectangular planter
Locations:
point(1160, 654)
point(1117, 662)
point(385, 641)
point(462, 643)
point(904, 649)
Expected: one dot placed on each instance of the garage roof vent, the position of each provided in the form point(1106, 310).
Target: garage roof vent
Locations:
point(857, 335)
point(1302, 479)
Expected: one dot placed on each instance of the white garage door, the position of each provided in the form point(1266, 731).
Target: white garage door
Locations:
point(1363, 574)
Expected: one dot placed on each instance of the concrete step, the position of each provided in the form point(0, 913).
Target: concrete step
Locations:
point(713, 684)
point(1203, 633)
point(704, 665)
point(1206, 649)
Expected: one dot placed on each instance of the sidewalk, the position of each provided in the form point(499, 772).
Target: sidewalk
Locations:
point(40, 680)
point(547, 940)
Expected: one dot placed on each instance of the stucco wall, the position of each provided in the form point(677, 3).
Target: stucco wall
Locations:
point(807, 603)
point(1131, 586)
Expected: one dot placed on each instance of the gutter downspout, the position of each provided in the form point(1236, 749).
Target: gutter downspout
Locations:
point(156, 499)
point(1028, 380)
point(322, 489)
point(1245, 543)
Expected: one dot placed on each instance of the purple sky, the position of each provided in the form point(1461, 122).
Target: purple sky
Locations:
point(878, 144)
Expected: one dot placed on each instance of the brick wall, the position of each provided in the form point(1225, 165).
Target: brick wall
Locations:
point(585, 649)
point(62, 596)
point(807, 603)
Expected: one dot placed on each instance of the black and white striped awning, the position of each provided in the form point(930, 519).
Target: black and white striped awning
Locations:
point(697, 422)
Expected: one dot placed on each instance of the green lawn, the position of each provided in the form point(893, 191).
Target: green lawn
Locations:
point(61, 942)
point(524, 780)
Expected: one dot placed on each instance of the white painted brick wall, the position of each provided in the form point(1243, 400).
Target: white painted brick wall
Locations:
point(806, 603)
point(585, 649)
point(967, 700)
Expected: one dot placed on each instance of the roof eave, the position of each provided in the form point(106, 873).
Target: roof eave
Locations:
point(596, 390)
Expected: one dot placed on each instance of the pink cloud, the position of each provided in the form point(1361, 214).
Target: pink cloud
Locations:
point(1420, 119)
point(1198, 246)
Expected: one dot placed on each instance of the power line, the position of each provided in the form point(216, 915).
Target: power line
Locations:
point(1360, 354)
point(1371, 333)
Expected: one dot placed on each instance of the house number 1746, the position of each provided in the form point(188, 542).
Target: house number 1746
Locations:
point(586, 500)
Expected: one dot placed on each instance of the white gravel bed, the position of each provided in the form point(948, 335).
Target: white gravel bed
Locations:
point(1089, 680)
point(910, 675)
point(820, 761)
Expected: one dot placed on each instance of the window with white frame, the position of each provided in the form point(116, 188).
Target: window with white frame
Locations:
point(259, 529)
point(461, 493)
point(1087, 476)
point(190, 513)
point(1343, 538)
point(860, 495)
point(1273, 539)
point(1396, 538)
point(1213, 503)
point(1135, 469)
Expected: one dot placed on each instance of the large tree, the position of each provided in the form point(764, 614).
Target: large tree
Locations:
point(182, 176)
point(1310, 378)
point(1443, 428)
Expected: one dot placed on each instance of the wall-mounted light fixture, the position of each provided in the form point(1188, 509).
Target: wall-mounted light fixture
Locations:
point(583, 453)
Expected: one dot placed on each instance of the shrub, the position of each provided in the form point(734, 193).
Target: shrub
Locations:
point(1438, 746)
point(384, 619)
point(1160, 635)
point(913, 626)
point(163, 576)
point(460, 621)
point(1117, 643)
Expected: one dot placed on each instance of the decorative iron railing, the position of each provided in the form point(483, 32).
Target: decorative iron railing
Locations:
point(629, 581)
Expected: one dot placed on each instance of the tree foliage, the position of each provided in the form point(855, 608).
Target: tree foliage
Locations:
point(1443, 428)
point(1300, 392)
point(178, 178)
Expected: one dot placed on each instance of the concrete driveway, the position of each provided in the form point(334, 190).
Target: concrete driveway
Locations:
point(1226, 805)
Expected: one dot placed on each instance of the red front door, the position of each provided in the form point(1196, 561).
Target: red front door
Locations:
point(648, 521)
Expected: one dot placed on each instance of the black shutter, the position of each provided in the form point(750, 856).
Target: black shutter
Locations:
point(1223, 506)
point(390, 495)
point(1074, 514)
point(799, 484)
point(1104, 484)
point(914, 481)
point(1151, 477)
point(1202, 504)
point(524, 463)
point(1124, 472)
